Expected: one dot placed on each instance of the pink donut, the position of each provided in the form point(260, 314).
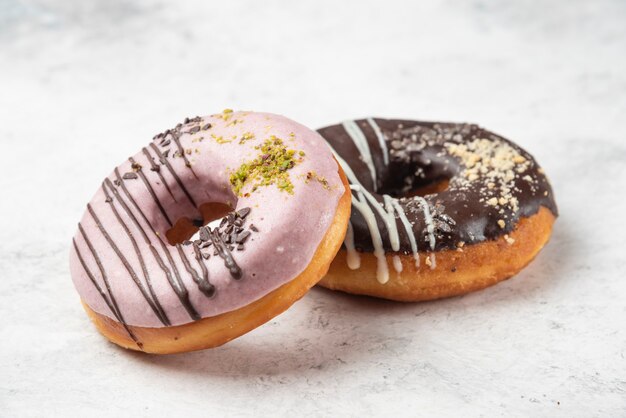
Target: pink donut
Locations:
point(279, 178)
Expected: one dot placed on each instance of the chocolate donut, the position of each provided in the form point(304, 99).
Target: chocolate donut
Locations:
point(431, 196)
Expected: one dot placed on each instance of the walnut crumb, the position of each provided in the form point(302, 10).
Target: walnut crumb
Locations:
point(501, 223)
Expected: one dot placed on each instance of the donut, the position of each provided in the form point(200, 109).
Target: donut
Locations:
point(212, 229)
point(439, 209)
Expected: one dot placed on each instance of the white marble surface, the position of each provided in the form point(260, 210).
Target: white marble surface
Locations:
point(83, 84)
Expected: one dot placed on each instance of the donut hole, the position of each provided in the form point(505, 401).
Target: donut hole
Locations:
point(427, 172)
point(437, 186)
point(185, 227)
point(422, 189)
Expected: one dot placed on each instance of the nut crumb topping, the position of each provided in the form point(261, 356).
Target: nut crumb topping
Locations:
point(269, 167)
point(492, 166)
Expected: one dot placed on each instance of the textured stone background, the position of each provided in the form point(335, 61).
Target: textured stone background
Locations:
point(83, 84)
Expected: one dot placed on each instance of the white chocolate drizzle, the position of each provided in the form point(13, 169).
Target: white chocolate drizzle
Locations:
point(353, 257)
point(363, 200)
point(381, 139)
point(382, 270)
point(397, 263)
point(407, 227)
point(430, 227)
point(359, 139)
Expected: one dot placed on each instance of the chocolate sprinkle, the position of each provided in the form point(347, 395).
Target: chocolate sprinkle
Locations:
point(130, 176)
point(204, 234)
point(243, 212)
point(243, 237)
point(224, 252)
point(228, 236)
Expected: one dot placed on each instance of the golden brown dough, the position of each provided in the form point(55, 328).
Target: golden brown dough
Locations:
point(467, 269)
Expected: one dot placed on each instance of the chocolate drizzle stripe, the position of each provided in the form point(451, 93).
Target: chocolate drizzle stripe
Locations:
point(109, 183)
point(204, 287)
point(157, 169)
point(205, 271)
point(181, 150)
point(181, 285)
point(224, 252)
point(182, 294)
point(108, 299)
point(157, 310)
point(177, 286)
point(142, 263)
point(171, 169)
point(150, 190)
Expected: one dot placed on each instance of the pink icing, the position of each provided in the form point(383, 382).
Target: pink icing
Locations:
point(291, 226)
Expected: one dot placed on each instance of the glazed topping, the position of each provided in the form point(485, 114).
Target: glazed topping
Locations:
point(491, 184)
point(278, 176)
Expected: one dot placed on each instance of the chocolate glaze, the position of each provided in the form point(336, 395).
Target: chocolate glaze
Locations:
point(419, 154)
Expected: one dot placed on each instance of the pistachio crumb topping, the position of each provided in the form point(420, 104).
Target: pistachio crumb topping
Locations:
point(269, 167)
point(226, 115)
point(234, 122)
point(220, 139)
point(312, 175)
point(245, 137)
